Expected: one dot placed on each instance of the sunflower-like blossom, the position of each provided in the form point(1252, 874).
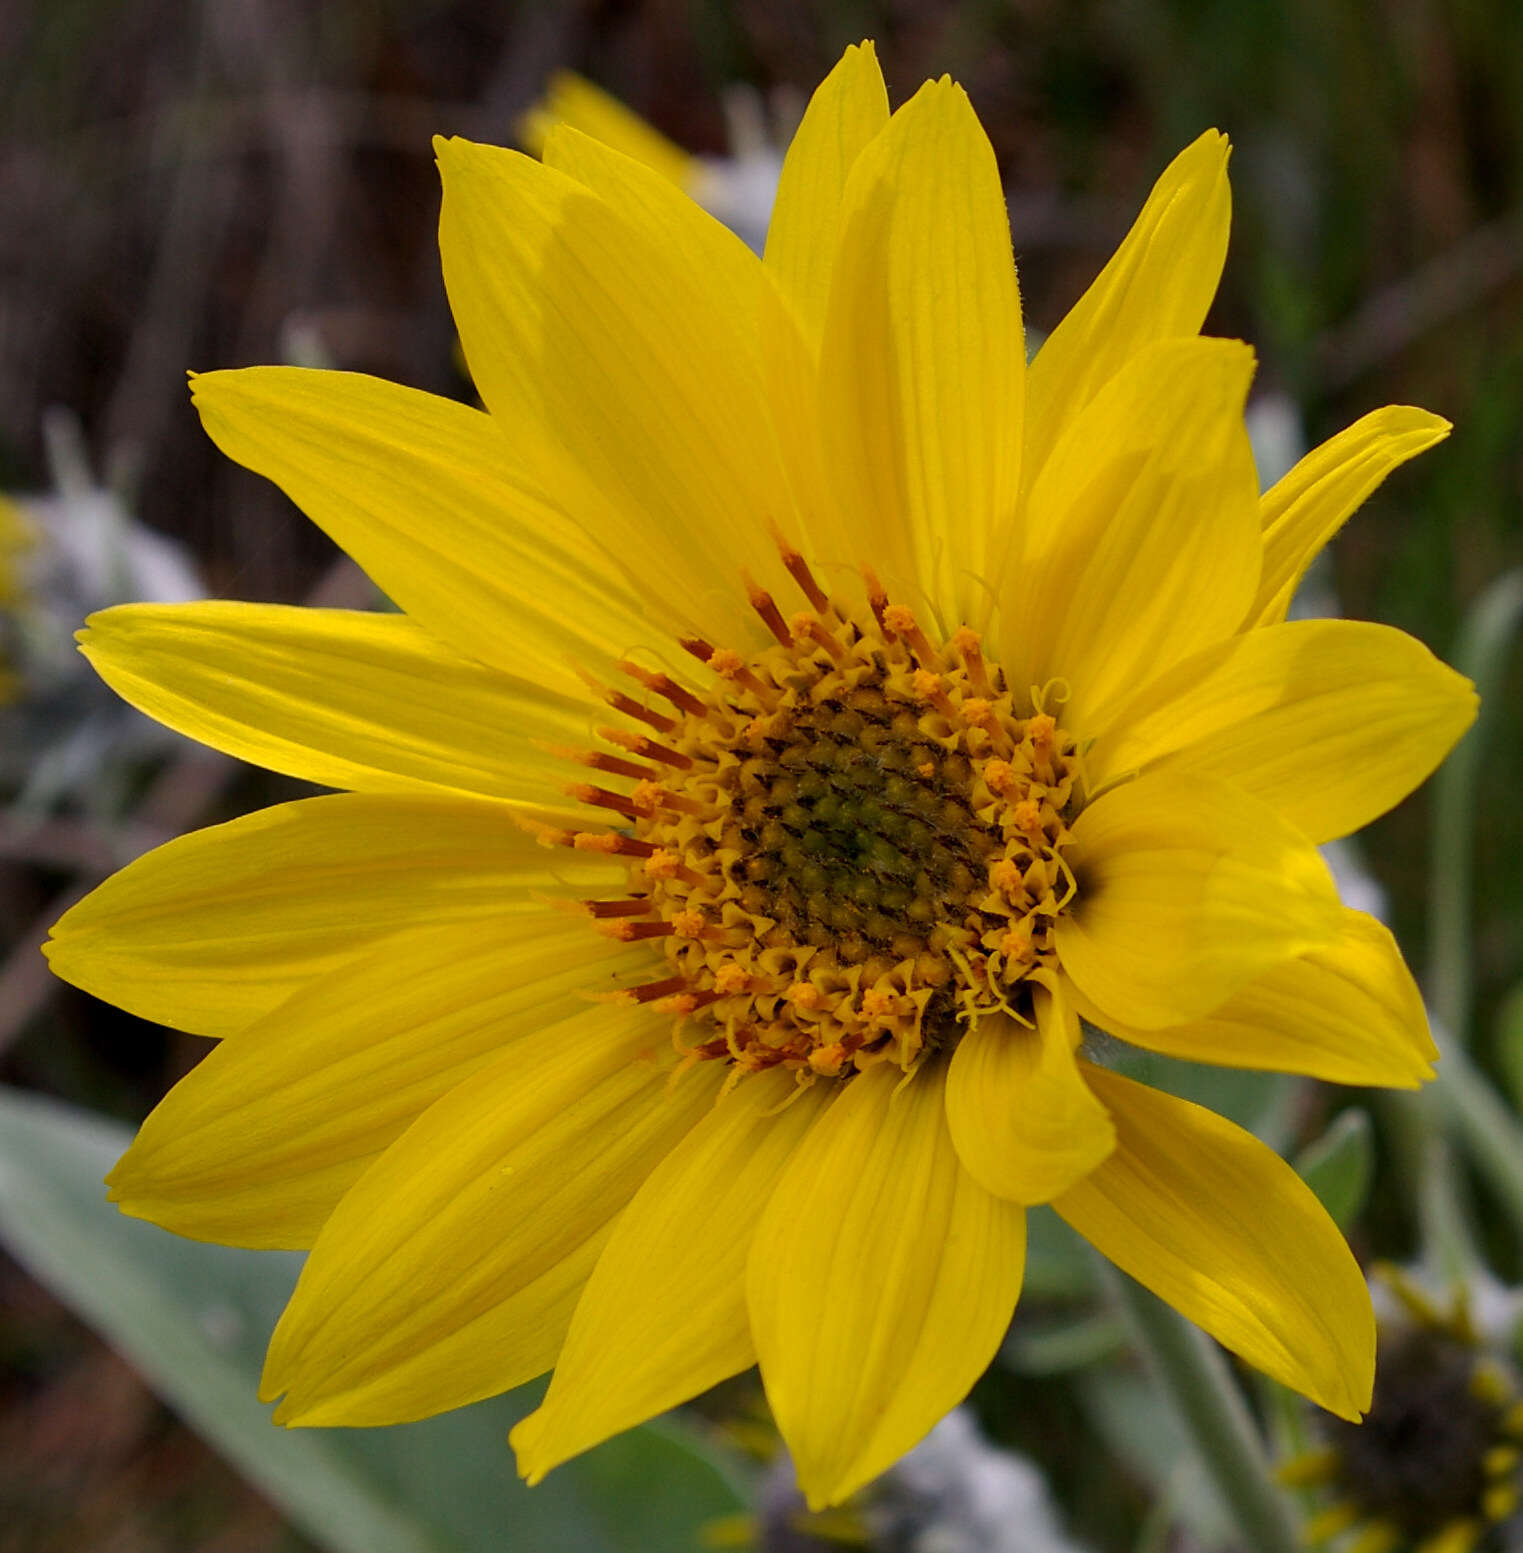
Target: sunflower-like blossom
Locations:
point(801, 718)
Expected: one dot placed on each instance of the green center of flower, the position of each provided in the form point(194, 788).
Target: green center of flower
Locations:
point(854, 829)
point(847, 846)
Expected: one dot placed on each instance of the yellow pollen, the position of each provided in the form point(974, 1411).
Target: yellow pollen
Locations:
point(999, 776)
point(1006, 876)
point(647, 795)
point(828, 1061)
point(877, 1003)
point(835, 867)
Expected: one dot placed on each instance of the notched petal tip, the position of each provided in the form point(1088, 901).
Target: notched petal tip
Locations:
point(525, 1440)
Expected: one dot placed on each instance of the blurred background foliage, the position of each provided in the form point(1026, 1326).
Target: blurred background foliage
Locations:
point(211, 183)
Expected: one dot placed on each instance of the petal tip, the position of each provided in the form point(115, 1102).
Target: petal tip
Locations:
point(526, 1439)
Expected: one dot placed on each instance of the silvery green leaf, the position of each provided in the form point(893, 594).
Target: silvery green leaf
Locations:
point(194, 1320)
point(1339, 1165)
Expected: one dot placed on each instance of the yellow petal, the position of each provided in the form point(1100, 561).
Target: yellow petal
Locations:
point(1158, 285)
point(1330, 722)
point(449, 1271)
point(922, 364)
point(425, 495)
point(847, 110)
point(616, 342)
point(574, 101)
point(626, 184)
point(211, 931)
point(1222, 1228)
point(1349, 1013)
point(340, 697)
point(256, 1144)
point(663, 1316)
point(1305, 509)
point(1141, 535)
point(1188, 890)
point(1024, 1121)
point(880, 1283)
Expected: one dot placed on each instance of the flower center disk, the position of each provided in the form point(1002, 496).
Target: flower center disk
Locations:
point(848, 847)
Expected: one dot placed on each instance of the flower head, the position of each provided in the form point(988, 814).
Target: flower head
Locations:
point(801, 718)
point(1438, 1463)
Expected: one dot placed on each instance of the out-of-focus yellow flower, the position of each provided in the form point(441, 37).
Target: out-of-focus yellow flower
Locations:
point(574, 101)
point(15, 538)
point(738, 188)
point(1438, 1462)
point(925, 704)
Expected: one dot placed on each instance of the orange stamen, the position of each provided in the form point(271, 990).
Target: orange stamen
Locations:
point(804, 994)
point(966, 642)
point(664, 864)
point(585, 793)
point(999, 776)
point(613, 842)
point(900, 619)
point(546, 835)
point(650, 796)
point(877, 600)
point(804, 625)
point(645, 714)
point(728, 664)
point(600, 760)
point(665, 685)
point(634, 906)
point(638, 744)
point(730, 980)
point(651, 990)
point(631, 931)
point(762, 603)
point(932, 688)
point(798, 569)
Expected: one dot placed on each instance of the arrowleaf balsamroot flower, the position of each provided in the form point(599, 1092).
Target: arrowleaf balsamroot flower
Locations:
point(802, 717)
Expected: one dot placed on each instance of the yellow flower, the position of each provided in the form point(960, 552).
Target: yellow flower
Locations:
point(1439, 1461)
point(572, 101)
point(763, 1053)
point(15, 538)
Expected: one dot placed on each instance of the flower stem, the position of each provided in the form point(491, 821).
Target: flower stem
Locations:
point(1481, 652)
point(1490, 1130)
point(1193, 1372)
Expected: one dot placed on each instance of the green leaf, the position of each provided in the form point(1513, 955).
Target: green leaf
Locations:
point(1483, 652)
point(1058, 1263)
point(1036, 1347)
point(194, 1320)
point(1143, 1430)
point(1509, 1046)
point(1339, 1165)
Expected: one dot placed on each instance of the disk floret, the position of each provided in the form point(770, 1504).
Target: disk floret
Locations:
point(848, 845)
